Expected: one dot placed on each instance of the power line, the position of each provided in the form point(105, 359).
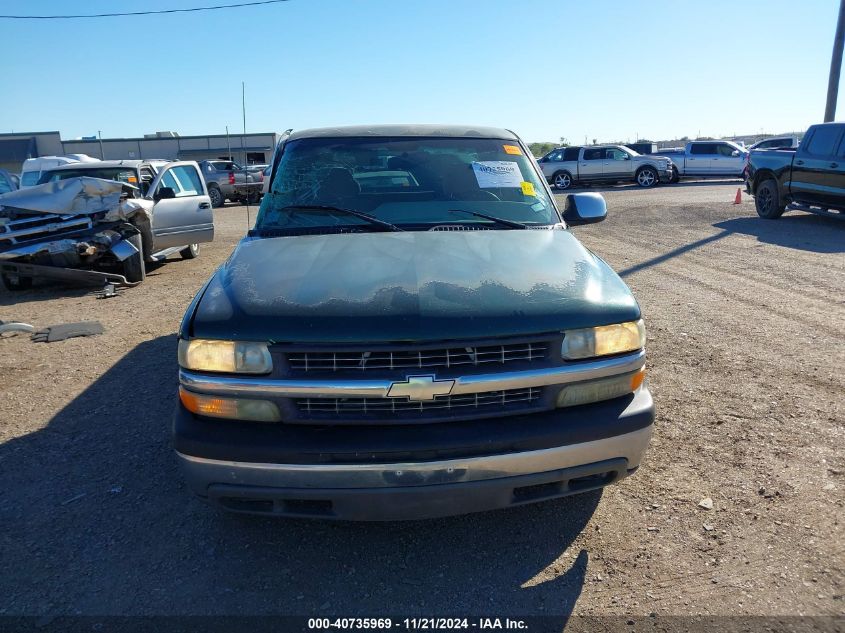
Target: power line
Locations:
point(116, 15)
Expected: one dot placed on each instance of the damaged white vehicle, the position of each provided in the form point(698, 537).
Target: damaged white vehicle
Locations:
point(101, 222)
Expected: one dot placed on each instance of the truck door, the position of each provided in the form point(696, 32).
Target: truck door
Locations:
point(727, 161)
point(817, 169)
point(550, 163)
point(698, 159)
point(182, 213)
point(617, 164)
point(590, 166)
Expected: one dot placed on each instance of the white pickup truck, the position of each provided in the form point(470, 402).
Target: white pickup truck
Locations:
point(566, 166)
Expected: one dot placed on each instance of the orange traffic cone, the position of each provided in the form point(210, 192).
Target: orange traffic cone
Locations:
point(738, 199)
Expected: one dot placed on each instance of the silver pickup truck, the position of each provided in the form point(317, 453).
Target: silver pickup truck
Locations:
point(707, 159)
point(226, 180)
point(566, 166)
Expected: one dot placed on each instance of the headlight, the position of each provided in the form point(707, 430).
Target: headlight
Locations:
point(603, 340)
point(234, 357)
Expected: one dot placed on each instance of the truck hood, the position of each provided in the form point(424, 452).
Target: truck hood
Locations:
point(409, 286)
point(652, 159)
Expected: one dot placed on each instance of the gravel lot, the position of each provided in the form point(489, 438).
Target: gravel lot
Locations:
point(746, 358)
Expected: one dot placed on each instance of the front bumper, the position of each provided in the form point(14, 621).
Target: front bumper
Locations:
point(421, 471)
point(665, 175)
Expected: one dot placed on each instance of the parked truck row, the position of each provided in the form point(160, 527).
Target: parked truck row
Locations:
point(566, 167)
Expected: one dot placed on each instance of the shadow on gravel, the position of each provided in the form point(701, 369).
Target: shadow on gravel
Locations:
point(49, 289)
point(43, 291)
point(805, 232)
point(654, 261)
point(801, 231)
point(96, 520)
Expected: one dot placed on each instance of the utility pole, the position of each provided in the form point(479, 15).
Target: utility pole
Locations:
point(243, 109)
point(100, 136)
point(835, 66)
point(243, 150)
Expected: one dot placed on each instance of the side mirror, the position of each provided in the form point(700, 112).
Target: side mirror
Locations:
point(735, 152)
point(165, 193)
point(584, 208)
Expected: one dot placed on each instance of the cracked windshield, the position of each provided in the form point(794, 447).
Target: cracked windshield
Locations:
point(411, 184)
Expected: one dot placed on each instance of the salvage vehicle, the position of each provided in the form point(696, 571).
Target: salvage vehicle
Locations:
point(410, 330)
point(103, 221)
point(707, 159)
point(603, 163)
point(226, 180)
point(810, 178)
point(33, 167)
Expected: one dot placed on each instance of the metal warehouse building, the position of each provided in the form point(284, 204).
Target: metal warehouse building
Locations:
point(243, 148)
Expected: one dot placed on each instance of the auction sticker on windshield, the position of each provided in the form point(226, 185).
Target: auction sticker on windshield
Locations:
point(497, 173)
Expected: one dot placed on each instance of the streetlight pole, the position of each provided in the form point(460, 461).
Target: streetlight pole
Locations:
point(835, 66)
point(100, 136)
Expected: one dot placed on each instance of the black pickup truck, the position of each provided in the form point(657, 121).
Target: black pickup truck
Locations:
point(809, 178)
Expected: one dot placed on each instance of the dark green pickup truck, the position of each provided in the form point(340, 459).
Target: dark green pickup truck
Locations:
point(410, 330)
point(809, 178)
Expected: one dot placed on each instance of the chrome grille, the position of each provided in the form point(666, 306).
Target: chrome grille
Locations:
point(417, 358)
point(27, 228)
point(360, 406)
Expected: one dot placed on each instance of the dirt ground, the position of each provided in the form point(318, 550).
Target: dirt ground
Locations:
point(746, 356)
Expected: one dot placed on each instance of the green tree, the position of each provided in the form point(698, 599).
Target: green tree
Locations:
point(541, 149)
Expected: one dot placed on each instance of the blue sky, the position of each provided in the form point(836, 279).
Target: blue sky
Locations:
point(547, 69)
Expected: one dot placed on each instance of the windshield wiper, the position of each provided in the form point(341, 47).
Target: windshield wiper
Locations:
point(387, 226)
point(509, 223)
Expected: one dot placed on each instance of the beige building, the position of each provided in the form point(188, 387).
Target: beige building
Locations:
point(243, 148)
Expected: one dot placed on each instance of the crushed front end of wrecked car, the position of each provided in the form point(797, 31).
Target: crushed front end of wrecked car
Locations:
point(79, 229)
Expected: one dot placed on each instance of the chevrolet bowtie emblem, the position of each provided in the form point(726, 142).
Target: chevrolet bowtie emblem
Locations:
point(420, 388)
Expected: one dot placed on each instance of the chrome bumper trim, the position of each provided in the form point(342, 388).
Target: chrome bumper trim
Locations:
point(257, 386)
point(201, 472)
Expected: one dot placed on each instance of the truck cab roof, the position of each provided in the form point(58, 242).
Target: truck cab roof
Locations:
point(429, 130)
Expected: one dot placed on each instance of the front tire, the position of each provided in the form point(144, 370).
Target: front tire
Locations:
point(216, 196)
point(647, 177)
point(133, 267)
point(190, 252)
point(562, 180)
point(767, 200)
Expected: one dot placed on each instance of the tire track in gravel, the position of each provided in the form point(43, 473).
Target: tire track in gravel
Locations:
point(692, 269)
point(722, 257)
